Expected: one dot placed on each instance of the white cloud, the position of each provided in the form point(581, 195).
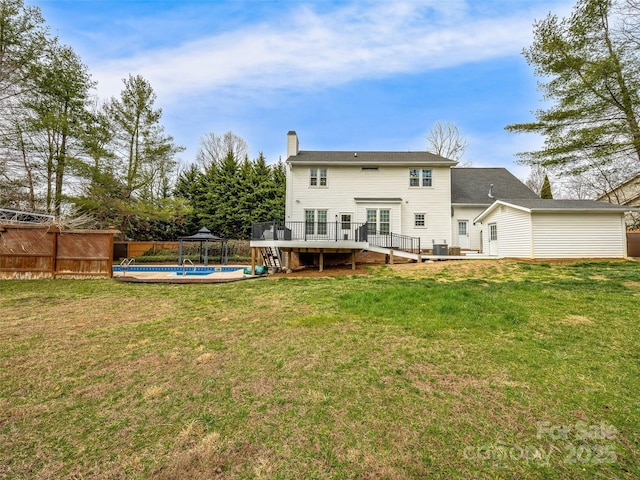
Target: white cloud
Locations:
point(306, 48)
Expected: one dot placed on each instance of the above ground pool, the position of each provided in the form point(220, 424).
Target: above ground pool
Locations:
point(188, 269)
point(179, 274)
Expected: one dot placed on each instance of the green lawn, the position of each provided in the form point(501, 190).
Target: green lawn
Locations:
point(468, 370)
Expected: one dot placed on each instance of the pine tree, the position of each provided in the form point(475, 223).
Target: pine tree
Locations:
point(591, 81)
point(545, 191)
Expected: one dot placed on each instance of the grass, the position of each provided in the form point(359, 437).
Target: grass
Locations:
point(474, 370)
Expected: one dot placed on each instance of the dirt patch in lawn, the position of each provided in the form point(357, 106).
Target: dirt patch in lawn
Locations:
point(452, 270)
point(575, 320)
point(326, 273)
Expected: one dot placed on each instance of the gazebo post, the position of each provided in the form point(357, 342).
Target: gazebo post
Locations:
point(180, 253)
point(206, 252)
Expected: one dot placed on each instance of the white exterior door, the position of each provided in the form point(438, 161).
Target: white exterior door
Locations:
point(463, 233)
point(345, 226)
point(493, 239)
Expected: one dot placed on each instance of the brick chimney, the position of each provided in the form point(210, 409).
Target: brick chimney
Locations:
point(292, 144)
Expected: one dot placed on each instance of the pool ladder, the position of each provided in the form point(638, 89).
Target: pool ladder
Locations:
point(184, 267)
point(125, 263)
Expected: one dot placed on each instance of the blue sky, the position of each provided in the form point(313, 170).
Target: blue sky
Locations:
point(344, 75)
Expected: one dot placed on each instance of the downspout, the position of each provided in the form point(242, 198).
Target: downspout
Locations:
point(625, 248)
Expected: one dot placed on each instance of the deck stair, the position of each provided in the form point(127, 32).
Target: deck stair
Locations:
point(395, 245)
point(271, 258)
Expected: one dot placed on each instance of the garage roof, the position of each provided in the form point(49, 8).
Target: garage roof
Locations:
point(557, 206)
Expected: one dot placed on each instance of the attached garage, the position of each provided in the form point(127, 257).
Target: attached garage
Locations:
point(536, 228)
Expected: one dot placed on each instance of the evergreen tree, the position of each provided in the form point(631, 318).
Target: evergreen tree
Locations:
point(230, 195)
point(545, 191)
point(58, 107)
point(145, 155)
point(23, 38)
point(591, 78)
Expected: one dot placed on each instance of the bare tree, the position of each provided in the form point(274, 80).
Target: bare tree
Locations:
point(214, 148)
point(629, 13)
point(535, 179)
point(444, 139)
point(598, 179)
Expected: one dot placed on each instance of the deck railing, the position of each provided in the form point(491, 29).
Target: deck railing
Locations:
point(395, 241)
point(333, 231)
point(310, 231)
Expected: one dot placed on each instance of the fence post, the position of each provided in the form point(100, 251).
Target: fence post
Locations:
point(54, 251)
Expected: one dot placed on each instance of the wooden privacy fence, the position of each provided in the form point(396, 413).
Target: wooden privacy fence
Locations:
point(28, 251)
point(136, 249)
point(633, 243)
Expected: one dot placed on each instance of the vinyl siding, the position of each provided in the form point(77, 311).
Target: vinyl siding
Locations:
point(514, 232)
point(576, 235)
point(345, 183)
point(467, 213)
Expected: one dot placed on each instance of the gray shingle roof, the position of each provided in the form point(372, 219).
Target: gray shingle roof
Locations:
point(368, 158)
point(557, 205)
point(471, 186)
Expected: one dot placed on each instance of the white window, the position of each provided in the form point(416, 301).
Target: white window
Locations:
point(322, 222)
point(493, 232)
point(379, 221)
point(372, 221)
point(345, 219)
point(309, 221)
point(426, 177)
point(414, 179)
point(416, 173)
point(419, 220)
point(311, 226)
point(462, 227)
point(318, 177)
point(384, 222)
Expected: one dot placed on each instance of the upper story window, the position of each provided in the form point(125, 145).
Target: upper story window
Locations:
point(426, 177)
point(318, 177)
point(414, 179)
point(415, 174)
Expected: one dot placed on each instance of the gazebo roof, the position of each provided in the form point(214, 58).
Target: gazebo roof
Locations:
point(203, 234)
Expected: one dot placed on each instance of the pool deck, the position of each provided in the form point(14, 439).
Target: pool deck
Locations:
point(166, 277)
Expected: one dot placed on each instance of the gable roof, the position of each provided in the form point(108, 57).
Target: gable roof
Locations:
point(471, 186)
point(628, 198)
point(557, 206)
point(307, 157)
point(632, 179)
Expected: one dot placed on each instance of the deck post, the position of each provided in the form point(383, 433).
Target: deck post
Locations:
point(321, 261)
point(253, 260)
point(289, 259)
point(353, 259)
point(391, 256)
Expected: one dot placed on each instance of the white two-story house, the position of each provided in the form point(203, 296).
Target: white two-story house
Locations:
point(416, 204)
point(406, 193)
